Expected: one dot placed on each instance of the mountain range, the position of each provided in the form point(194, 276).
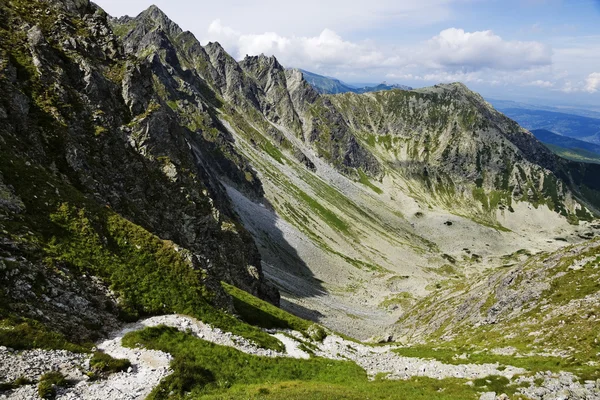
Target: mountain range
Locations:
point(328, 85)
point(578, 124)
point(143, 174)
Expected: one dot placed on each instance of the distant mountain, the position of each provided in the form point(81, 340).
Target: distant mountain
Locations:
point(329, 85)
point(569, 148)
point(575, 126)
point(382, 86)
point(574, 154)
point(567, 142)
point(505, 104)
point(325, 84)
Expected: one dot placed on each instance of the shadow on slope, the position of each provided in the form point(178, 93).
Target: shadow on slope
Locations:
point(282, 264)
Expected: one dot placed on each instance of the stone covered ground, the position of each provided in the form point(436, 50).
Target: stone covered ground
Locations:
point(148, 367)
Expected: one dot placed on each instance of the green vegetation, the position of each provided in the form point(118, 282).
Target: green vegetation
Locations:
point(48, 383)
point(403, 299)
point(449, 352)
point(208, 371)
point(23, 333)
point(105, 363)
point(121, 30)
point(22, 381)
point(364, 179)
point(327, 215)
point(495, 383)
point(260, 313)
point(543, 325)
point(579, 155)
point(149, 274)
point(172, 105)
point(273, 151)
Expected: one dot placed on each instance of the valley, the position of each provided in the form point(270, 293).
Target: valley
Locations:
point(171, 216)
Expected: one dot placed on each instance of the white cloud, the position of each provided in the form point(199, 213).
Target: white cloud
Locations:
point(541, 83)
point(456, 48)
point(324, 36)
point(440, 76)
point(326, 50)
point(592, 83)
point(453, 53)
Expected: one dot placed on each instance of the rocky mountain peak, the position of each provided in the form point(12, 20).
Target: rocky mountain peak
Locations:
point(214, 49)
point(139, 170)
point(262, 61)
point(154, 18)
point(75, 6)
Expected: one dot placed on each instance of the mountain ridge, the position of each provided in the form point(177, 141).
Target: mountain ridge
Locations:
point(329, 85)
point(136, 135)
point(146, 179)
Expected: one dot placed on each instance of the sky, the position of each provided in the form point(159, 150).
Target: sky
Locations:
point(539, 51)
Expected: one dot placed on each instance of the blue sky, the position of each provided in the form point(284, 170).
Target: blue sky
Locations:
point(544, 51)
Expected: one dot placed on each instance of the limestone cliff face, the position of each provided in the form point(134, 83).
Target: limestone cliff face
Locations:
point(83, 110)
point(448, 140)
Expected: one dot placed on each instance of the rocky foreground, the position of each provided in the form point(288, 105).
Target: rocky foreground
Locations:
point(148, 367)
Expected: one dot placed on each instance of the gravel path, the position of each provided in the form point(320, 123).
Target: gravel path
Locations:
point(291, 347)
point(381, 359)
point(150, 366)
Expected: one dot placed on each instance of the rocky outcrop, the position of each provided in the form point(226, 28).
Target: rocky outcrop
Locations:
point(545, 302)
point(275, 102)
point(96, 124)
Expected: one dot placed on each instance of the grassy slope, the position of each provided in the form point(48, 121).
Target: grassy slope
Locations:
point(562, 318)
point(150, 275)
point(255, 311)
point(209, 371)
point(203, 370)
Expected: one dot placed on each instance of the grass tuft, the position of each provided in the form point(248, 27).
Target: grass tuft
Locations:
point(48, 383)
point(102, 362)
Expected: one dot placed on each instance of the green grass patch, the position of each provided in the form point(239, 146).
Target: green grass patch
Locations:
point(327, 215)
point(494, 383)
point(403, 299)
point(261, 313)
point(208, 371)
point(450, 355)
point(364, 179)
point(23, 334)
point(22, 381)
point(105, 363)
point(48, 383)
point(273, 151)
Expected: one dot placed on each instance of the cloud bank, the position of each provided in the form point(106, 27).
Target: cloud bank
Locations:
point(452, 49)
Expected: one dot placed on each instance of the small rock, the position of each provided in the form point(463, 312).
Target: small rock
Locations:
point(488, 396)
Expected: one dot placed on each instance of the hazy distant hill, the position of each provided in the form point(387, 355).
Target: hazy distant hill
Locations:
point(569, 148)
point(506, 104)
point(570, 123)
point(328, 85)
